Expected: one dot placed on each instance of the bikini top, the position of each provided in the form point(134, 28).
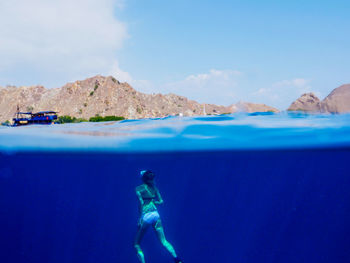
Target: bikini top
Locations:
point(149, 195)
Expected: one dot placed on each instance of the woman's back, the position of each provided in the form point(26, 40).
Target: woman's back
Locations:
point(148, 195)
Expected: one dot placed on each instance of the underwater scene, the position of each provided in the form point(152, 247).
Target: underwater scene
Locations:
point(245, 188)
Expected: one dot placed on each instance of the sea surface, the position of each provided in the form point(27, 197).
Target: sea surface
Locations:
point(259, 187)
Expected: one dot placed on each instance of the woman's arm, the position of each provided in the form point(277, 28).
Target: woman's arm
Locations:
point(159, 199)
point(141, 202)
point(139, 196)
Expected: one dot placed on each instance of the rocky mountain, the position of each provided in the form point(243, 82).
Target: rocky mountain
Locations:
point(307, 102)
point(338, 101)
point(107, 96)
point(252, 107)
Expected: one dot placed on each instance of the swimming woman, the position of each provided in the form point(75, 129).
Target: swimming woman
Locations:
point(149, 197)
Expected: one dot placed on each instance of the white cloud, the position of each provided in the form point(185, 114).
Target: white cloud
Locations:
point(63, 38)
point(120, 74)
point(282, 93)
point(145, 86)
point(225, 87)
point(300, 85)
point(216, 86)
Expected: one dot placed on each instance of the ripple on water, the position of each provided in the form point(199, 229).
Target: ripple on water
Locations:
point(224, 132)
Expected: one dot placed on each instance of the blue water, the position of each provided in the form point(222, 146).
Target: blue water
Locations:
point(237, 188)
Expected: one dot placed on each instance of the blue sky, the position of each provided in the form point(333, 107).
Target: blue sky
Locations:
point(211, 51)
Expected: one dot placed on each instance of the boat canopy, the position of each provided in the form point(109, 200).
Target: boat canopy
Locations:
point(45, 112)
point(29, 113)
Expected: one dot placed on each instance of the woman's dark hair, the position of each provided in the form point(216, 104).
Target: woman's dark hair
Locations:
point(147, 176)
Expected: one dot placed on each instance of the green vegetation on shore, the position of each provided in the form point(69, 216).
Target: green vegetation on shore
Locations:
point(97, 118)
point(106, 118)
point(5, 123)
point(69, 119)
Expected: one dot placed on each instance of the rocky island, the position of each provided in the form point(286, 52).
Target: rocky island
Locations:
point(106, 96)
point(338, 101)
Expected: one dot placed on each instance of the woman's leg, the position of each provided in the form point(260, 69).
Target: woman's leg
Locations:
point(139, 235)
point(160, 234)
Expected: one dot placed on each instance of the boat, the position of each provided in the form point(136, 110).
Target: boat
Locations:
point(41, 117)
